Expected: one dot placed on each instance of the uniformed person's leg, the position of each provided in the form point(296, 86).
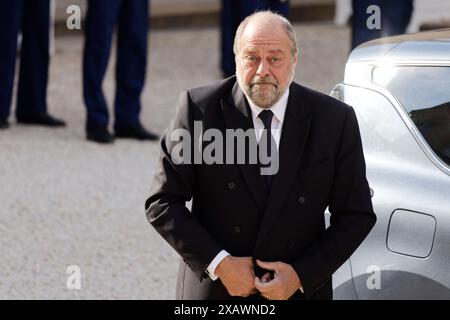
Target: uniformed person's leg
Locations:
point(34, 61)
point(360, 30)
point(280, 7)
point(100, 20)
point(131, 61)
point(11, 14)
point(229, 21)
point(395, 16)
point(130, 69)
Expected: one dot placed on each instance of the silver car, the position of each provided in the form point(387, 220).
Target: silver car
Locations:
point(400, 90)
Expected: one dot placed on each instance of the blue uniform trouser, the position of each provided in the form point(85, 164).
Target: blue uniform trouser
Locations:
point(233, 12)
point(132, 20)
point(395, 17)
point(31, 17)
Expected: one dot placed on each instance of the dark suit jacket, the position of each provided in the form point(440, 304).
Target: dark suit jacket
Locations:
point(321, 165)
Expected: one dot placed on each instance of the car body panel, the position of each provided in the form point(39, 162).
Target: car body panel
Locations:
point(407, 254)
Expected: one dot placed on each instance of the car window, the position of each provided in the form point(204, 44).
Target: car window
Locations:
point(424, 92)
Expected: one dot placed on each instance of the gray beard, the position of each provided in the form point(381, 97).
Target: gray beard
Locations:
point(247, 91)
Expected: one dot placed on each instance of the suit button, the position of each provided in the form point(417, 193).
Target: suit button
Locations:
point(237, 229)
point(301, 200)
point(231, 185)
point(291, 244)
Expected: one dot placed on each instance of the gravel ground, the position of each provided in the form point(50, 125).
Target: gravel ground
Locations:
point(66, 201)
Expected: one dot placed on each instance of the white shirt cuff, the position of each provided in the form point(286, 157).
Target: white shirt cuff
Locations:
point(213, 265)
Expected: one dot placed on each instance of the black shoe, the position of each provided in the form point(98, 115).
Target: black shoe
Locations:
point(43, 120)
point(100, 135)
point(4, 124)
point(136, 131)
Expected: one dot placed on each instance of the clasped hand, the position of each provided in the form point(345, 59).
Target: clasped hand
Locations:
point(238, 277)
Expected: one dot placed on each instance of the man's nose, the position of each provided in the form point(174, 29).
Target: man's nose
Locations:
point(263, 69)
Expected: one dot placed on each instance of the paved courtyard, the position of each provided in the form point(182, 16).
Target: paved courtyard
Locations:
point(65, 201)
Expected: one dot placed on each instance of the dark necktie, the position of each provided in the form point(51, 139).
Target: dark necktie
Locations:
point(266, 118)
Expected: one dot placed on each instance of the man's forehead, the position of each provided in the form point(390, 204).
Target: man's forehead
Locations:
point(269, 33)
point(259, 26)
point(269, 44)
point(269, 47)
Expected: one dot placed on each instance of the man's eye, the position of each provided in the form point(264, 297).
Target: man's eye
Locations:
point(275, 59)
point(251, 58)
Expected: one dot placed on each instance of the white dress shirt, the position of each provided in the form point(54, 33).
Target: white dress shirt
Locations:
point(278, 110)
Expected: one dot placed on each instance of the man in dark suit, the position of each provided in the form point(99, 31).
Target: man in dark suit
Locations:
point(250, 234)
point(232, 13)
point(132, 19)
point(32, 19)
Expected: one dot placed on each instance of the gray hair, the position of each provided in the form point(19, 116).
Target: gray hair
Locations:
point(270, 14)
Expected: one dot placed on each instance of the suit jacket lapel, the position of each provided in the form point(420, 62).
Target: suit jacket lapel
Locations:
point(294, 135)
point(237, 115)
